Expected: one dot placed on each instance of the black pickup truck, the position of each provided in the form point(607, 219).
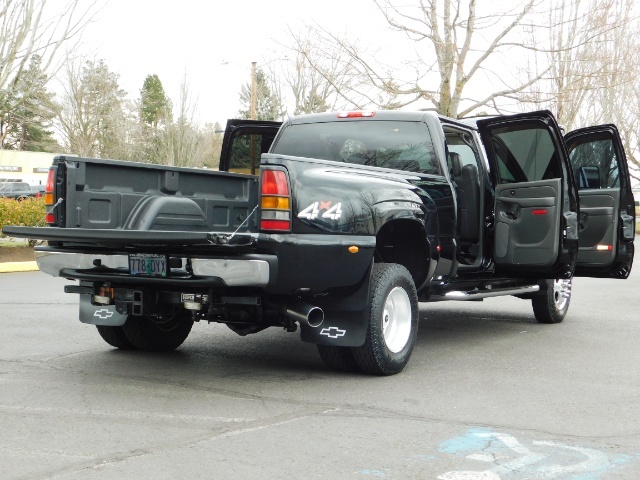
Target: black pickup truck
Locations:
point(340, 223)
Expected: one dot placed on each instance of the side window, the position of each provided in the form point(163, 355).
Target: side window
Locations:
point(462, 151)
point(524, 153)
point(246, 149)
point(595, 164)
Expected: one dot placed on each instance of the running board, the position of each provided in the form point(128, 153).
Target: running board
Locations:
point(479, 294)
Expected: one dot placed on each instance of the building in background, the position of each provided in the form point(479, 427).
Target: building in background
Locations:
point(21, 166)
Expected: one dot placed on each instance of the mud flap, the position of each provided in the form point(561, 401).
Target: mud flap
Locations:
point(346, 319)
point(100, 314)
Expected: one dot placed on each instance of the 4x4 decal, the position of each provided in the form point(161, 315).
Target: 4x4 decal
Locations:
point(313, 210)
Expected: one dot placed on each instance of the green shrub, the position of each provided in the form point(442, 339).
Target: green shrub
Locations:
point(25, 213)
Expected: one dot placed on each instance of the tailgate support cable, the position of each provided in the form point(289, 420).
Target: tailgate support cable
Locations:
point(50, 211)
point(224, 239)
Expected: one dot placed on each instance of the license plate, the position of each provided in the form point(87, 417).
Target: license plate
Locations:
point(148, 265)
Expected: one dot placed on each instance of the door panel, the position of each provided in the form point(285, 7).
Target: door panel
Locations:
point(607, 213)
point(598, 226)
point(535, 203)
point(527, 223)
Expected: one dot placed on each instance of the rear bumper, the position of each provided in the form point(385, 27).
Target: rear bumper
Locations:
point(281, 264)
point(223, 272)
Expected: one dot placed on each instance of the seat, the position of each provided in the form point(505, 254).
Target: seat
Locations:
point(468, 193)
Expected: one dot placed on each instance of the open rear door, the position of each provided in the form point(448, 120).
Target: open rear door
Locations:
point(243, 143)
point(607, 213)
point(535, 209)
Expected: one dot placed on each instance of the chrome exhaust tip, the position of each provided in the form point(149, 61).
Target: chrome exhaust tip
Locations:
point(304, 313)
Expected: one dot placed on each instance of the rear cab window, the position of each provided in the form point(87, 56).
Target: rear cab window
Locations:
point(400, 145)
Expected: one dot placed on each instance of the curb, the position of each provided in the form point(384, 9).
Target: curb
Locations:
point(11, 267)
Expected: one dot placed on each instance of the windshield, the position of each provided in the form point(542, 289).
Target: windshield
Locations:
point(391, 144)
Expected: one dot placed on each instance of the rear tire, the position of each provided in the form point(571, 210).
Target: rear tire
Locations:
point(393, 321)
point(158, 334)
point(338, 358)
point(115, 337)
point(551, 305)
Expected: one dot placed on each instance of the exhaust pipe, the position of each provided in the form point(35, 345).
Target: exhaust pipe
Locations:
point(305, 313)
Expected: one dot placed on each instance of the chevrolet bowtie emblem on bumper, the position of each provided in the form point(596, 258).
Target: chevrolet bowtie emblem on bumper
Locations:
point(103, 313)
point(333, 332)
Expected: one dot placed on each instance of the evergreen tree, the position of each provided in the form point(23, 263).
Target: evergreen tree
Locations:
point(27, 110)
point(269, 103)
point(155, 106)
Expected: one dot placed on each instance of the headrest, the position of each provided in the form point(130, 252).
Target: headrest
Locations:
point(456, 164)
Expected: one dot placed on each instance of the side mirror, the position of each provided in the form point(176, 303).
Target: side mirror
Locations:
point(588, 177)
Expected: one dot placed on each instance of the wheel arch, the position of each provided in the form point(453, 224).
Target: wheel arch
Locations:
point(404, 241)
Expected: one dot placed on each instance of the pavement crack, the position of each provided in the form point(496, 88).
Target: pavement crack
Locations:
point(208, 435)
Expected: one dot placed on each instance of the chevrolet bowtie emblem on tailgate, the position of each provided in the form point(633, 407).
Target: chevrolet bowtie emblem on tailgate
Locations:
point(333, 332)
point(103, 313)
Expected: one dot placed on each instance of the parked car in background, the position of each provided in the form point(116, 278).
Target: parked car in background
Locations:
point(38, 190)
point(19, 190)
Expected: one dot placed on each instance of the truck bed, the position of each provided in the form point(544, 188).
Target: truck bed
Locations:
point(110, 194)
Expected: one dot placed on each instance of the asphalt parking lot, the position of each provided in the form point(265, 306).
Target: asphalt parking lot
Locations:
point(488, 394)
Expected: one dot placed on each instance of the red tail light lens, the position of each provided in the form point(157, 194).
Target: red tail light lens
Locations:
point(274, 182)
point(49, 200)
point(275, 201)
point(48, 188)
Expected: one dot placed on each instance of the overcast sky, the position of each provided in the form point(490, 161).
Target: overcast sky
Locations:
point(142, 37)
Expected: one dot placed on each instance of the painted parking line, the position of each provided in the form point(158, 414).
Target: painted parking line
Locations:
point(10, 267)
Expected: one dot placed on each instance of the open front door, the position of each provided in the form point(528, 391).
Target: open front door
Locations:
point(243, 143)
point(607, 213)
point(535, 209)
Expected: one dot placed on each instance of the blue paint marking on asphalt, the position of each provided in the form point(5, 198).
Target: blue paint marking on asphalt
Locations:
point(617, 462)
point(426, 457)
point(373, 473)
point(471, 441)
point(503, 456)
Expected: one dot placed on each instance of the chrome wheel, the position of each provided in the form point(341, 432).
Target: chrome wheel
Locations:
point(396, 319)
point(393, 321)
point(551, 304)
point(561, 292)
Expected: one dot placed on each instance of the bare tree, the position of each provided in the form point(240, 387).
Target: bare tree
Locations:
point(29, 27)
point(320, 74)
point(92, 113)
point(180, 143)
point(454, 44)
point(211, 145)
point(594, 65)
point(584, 52)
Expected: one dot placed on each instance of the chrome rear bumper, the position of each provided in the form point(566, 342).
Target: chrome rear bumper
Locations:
point(233, 272)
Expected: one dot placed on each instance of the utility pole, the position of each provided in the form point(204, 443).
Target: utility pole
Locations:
point(252, 113)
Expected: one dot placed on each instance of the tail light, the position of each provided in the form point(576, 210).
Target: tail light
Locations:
point(275, 201)
point(49, 196)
